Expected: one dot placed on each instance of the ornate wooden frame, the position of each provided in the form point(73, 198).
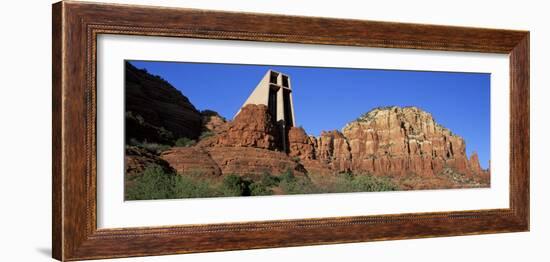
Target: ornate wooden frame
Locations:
point(76, 26)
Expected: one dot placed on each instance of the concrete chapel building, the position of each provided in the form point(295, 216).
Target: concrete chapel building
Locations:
point(274, 91)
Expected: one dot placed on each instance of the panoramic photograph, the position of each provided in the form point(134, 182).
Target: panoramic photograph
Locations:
point(201, 130)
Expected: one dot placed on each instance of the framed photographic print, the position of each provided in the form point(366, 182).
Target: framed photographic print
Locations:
point(193, 131)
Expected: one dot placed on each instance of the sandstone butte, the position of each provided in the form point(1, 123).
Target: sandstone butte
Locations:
point(390, 141)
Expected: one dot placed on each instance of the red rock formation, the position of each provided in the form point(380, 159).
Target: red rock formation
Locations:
point(215, 161)
point(333, 149)
point(161, 113)
point(248, 160)
point(191, 160)
point(246, 147)
point(394, 141)
point(474, 164)
point(136, 160)
point(213, 122)
point(300, 144)
point(251, 128)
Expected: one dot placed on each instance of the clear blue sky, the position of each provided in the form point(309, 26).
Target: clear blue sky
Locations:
point(328, 98)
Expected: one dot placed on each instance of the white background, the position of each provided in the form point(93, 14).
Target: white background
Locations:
point(114, 212)
point(25, 136)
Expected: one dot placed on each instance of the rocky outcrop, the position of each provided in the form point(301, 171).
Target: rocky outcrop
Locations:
point(252, 127)
point(191, 160)
point(301, 146)
point(137, 159)
point(216, 161)
point(390, 141)
point(474, 164)
point(333, 149)
point(395, 141)
point(213, 122)
point(256, 161)
point(155, 110)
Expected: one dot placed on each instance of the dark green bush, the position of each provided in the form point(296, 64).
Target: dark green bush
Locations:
point(234, 185)
point(260, 189)
point(264, 185)
point(154, 183)
point(269, 180)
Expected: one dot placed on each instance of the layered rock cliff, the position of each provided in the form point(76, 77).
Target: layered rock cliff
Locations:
point(387, 141)
point(155, 110)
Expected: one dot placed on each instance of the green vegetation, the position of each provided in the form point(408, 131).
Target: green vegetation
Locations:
point(263, 187)
point(234, 185)
point(191, 187)
point(292, 185)
point(348, 182)
point(155, 148)
point(156, 183)
point(206, 134)
point(152, 184)
point(184, 141)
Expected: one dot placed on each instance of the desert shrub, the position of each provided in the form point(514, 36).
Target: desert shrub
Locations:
point(155, 147)
point(363, 183)
point(151, 147)
point(184, 141)
point(269, 180)
point(287, 176)
point(234, 185)
point(291, 184)
point(299, 186)
point(373, 183)
point(260, 189)
point(154, 183)
point(192, 186)
point(263, 186)
point(206, 134)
